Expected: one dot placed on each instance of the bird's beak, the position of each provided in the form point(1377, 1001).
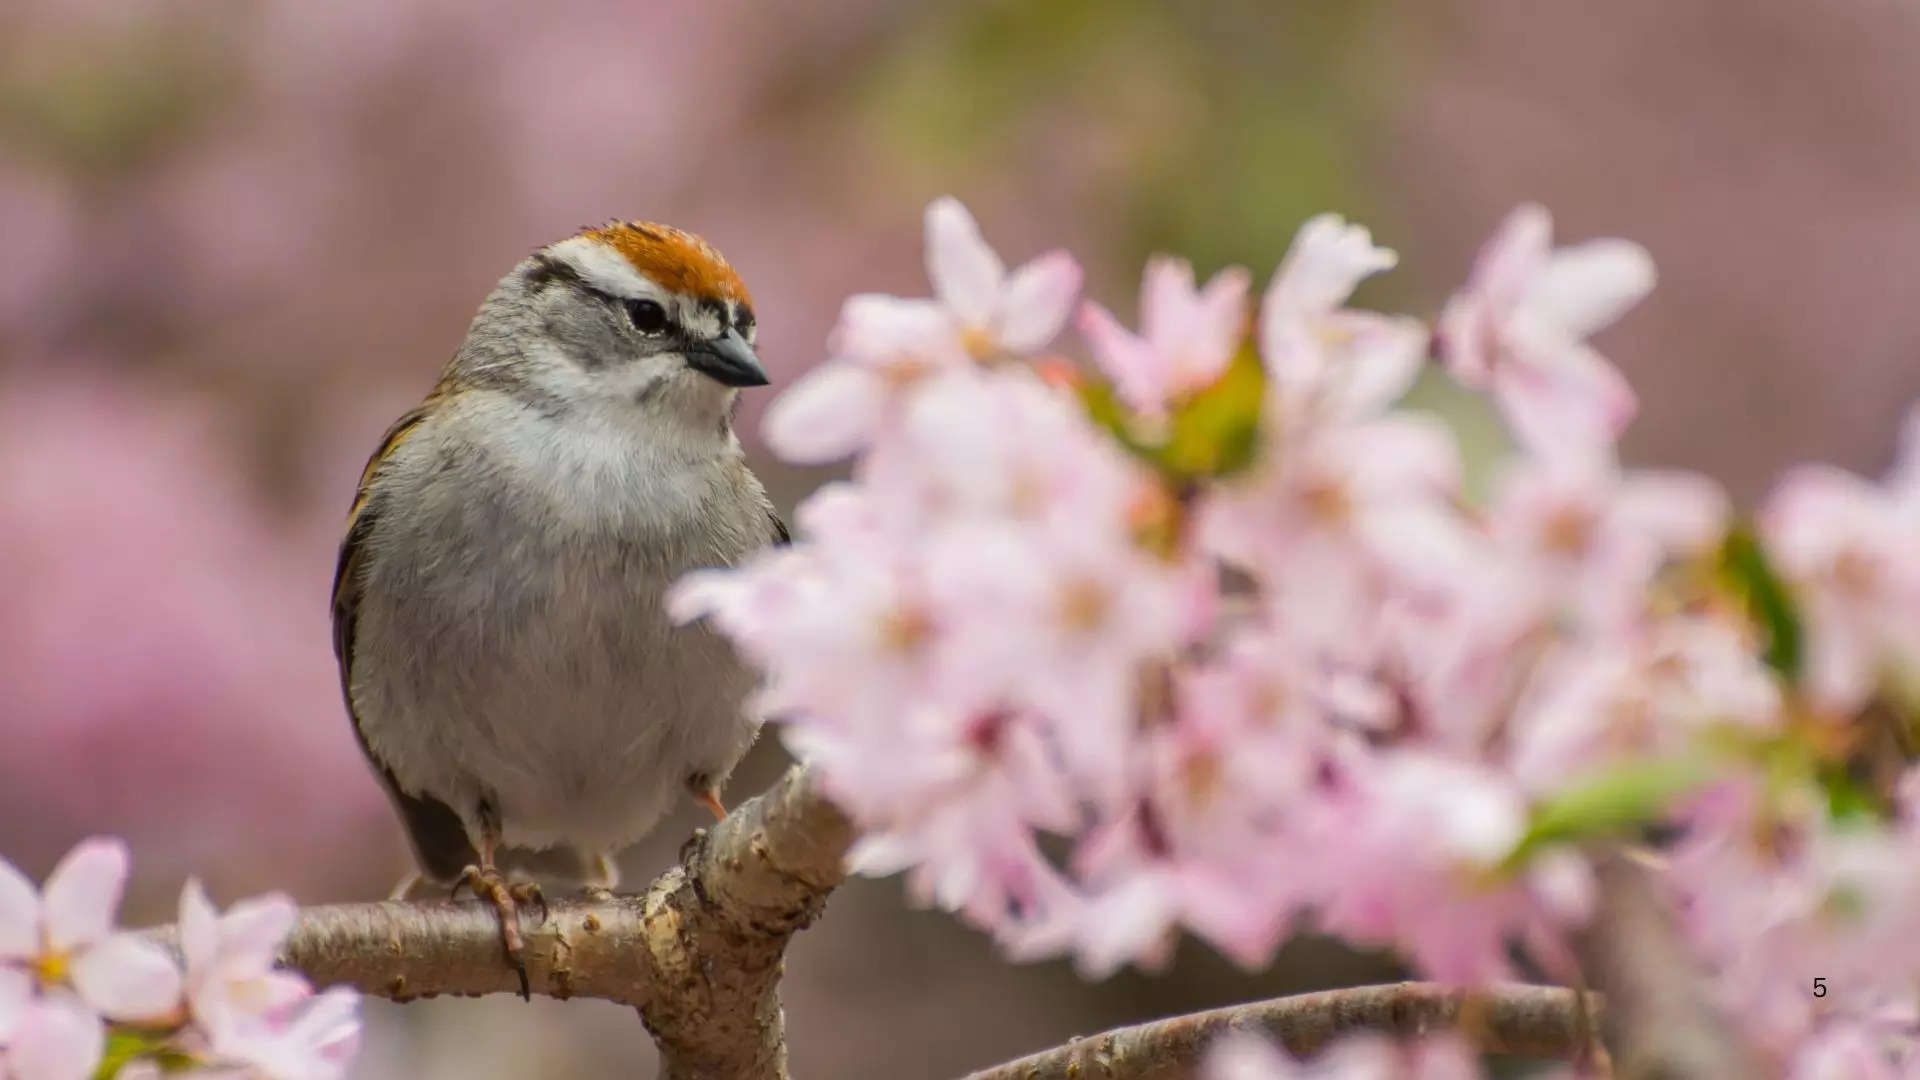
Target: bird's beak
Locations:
point(727, 360)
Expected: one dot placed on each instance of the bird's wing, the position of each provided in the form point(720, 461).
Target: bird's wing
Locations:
point(780, 533)
point(438, 836)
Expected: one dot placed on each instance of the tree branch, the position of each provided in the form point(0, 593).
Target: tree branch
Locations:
point(1530, 1021)
point(698, 953)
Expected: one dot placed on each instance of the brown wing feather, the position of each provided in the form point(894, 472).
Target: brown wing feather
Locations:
point(438, 836)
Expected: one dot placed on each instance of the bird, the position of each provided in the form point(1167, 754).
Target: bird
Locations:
point(499, 618)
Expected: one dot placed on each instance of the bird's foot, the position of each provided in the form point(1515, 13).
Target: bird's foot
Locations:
point(507, 897)
point(528, 893)
point(707, 794)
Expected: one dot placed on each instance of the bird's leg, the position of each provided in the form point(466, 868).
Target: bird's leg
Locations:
point(606, 877)
point(489, 884)
point(707, 794)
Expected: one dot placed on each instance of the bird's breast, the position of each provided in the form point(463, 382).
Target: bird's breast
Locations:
point(512, 632)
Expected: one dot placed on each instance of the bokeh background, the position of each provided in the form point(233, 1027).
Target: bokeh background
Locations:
point(238, 236)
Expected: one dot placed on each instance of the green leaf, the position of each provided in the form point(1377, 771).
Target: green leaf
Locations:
point(1744, 567)
point(1616, 799)
point(127, 1044)
point(1105, 409)
point(1848, 799)
point(124, 1046)
point(1211, 433)
point(1216, 431)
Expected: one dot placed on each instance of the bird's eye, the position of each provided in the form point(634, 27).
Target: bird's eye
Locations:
point(647, 315)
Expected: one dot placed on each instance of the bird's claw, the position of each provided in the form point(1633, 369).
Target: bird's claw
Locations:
point(489, 884)
point(529, 892)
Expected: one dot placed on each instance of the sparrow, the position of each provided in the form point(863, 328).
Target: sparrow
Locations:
point(498, 605)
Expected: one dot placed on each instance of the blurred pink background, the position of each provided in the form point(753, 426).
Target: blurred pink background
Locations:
point(238, 236)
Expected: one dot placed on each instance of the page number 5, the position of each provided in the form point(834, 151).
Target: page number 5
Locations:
point(1819, 988)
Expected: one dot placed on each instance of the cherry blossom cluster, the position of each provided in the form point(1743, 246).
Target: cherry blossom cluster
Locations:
point(1208, 634)
point(80, 998)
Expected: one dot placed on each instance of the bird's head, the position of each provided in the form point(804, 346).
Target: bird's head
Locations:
point(629, 315)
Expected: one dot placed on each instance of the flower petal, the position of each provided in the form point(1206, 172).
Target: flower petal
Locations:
point(1039, 297)
point(965, 272)
point(19, 914)
point(1680, 510)
point(1384, 357)
point(1167, 299)
point(1587, 286)
point(83, 892)
point(128, 978)
point(1572, 403)
point(57, 1039)
point(1240, 1055)
point(829, 413)
point(330, 1026)
point(1137, 369)
point(1327, 260)
point(199, 926)
point(255, 927)
point(1514, 256)
point(16, 994)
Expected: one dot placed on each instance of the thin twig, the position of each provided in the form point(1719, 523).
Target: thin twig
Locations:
point(1530, 1021)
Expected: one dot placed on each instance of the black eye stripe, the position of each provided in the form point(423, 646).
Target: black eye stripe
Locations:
point(548, 270)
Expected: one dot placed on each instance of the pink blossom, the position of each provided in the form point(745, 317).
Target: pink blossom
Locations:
point(1355, 721)
point(1002, 445)
point(1648, 692)
point(843, 622)
point(997, 312)
point(1852, 1052)
point(230, 973)
point(1418, 839)
point(65, 939)
point(1595, 536)
point(1187, 335)
point(1329, 363)
point(883, 346)
point(317, 1042)
point(1848, 548)
point(1242, 1056)
point(54, 1038)
point(1204, 848)
point(1520, 326)
point(1340, 518)
point(1059, 620)
point(957, 803)
point(880, 349)
point(1775, 893)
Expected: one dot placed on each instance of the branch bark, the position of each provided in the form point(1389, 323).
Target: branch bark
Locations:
point(698, 953)
point(1529, 1021)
